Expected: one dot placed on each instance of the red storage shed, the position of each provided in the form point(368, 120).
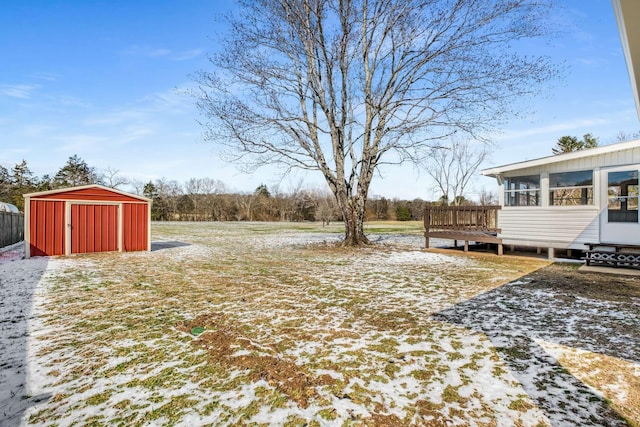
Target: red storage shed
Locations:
point(91, 218)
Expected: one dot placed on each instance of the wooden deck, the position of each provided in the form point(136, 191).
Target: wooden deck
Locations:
point(477, 224)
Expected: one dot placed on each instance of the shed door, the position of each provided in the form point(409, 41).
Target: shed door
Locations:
point(619, 200)
point(94, 228)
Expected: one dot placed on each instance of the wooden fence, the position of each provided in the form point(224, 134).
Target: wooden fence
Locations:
point(11, 228)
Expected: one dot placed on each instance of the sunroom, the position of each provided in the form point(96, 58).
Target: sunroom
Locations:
point(571, 200)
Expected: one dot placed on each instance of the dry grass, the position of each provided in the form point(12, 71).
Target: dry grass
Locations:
point(297, 332)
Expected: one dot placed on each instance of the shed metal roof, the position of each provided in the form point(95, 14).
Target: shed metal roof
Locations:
point(85, 187)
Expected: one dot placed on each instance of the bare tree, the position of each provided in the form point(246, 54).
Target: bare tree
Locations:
point(137, 186)
point(325, 206)
point(169, 191)
point(488, 197)
point(111, 178)
point(623, 136)
point(344, 86)
point(453, 166)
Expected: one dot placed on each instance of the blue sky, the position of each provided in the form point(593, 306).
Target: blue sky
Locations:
point(104, 80)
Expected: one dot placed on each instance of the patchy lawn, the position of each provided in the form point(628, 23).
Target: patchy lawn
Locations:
point(298, 331)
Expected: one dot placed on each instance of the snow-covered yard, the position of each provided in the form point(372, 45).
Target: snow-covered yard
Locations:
point(300, 332)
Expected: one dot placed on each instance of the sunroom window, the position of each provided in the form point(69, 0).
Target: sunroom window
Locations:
point(571, 188)
point(522, 190)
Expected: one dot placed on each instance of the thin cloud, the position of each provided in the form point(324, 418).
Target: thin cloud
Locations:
point(553, 129)
point(146, 51)
point(153, 52)
point(49, 77)
point(72, 101)
point(187, 54)
point(18, 91)
point(118, 117)
point(588, 61)
point(80, 142)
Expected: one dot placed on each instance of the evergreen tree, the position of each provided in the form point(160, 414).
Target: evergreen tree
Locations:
point(568, 144)
point(75, 172)
point(158, 205)
point(22, 182)
point(403, 213)
point(5, 185)
point(262, 190)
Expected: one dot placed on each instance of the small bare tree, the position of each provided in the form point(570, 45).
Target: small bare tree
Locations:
point(344, 86)
point(488, 197)
point(111, 178)
point(137, 186)
point(623, 136)
point(452, 167)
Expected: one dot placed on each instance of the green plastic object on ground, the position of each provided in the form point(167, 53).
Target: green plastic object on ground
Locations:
point(197, 330)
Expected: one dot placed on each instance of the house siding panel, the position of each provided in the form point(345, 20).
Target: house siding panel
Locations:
point(554, 227)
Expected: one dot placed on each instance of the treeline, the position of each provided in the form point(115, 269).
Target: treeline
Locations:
point(208, 200)
point(202, 199)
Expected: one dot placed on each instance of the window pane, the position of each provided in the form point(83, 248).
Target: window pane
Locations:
point(622, 193)
point(522, 190)
point(623, 178)
point(571, 179)
point(614, 203)
point(522, 182)
point(571, 197)
point(632, 201)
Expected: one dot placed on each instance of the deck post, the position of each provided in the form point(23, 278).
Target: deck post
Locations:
point(466, 246)
point(427, 221)
point(550, 254)
point(500, 250)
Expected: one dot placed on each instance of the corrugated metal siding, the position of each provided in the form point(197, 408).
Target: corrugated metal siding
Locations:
point(135, 222)
point(562, 226)
point(47, 228)
point(94, 228)
point(90, 194)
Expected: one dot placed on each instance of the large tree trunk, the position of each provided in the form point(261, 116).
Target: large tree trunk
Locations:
point(354, 230)
point(352, 208)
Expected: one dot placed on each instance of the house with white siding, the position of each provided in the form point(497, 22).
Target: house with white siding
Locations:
point(571, 200)
point(582, 199)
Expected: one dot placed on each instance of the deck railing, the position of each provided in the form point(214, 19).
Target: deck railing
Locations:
point(481, 218)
